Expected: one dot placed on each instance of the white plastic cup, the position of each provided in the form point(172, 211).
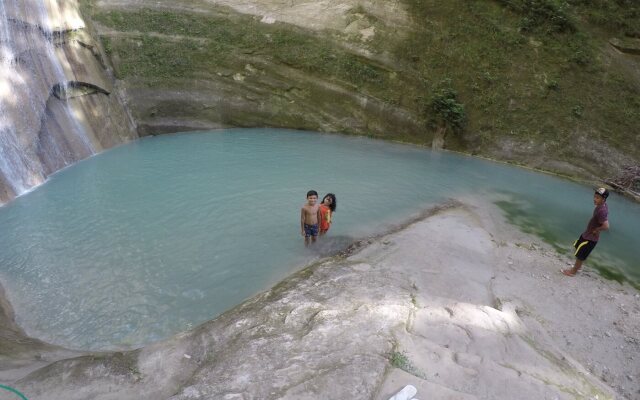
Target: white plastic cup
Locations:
point(406, 393)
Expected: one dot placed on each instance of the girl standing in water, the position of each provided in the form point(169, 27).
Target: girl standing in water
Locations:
point(327, 208)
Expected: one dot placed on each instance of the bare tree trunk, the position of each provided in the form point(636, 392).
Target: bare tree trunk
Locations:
point(438, 137)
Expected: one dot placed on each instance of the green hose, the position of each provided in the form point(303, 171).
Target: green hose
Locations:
point(10, 389)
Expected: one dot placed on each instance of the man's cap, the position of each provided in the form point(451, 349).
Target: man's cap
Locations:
point(602, 192)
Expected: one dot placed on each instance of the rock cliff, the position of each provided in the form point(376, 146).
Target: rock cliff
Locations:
point(541, 86)
point(57, 100)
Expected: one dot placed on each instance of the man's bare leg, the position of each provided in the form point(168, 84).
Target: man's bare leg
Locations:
point(574, 270)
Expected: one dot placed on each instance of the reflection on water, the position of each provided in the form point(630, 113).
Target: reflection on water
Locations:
point(151, 238)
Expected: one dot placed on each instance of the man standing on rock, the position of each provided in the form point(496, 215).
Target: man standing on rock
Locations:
point(599, 222)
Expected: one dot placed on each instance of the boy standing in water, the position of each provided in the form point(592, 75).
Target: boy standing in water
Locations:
point(309, 218)
point(599, 222)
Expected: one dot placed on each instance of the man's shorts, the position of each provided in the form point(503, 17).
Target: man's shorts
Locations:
point(583, 248)
point(310, 230)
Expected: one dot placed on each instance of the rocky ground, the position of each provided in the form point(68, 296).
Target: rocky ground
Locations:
point(316, 15)
point(458, 304)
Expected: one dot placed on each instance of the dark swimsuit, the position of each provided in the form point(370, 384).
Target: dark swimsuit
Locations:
point(310, 230)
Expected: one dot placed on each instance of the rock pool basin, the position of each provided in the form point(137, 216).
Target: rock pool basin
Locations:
point(154, 237)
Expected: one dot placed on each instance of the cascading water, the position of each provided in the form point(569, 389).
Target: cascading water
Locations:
point(50, 33)
point(18, 172)
point(40, 130)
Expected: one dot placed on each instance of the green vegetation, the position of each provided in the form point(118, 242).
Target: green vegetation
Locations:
point(621, 17)
point(543, 84)
point(551, 15)
point(518, 216)
point(448, 113)
point(401, 361)
point(414, 300)
point(167, 45)
point(535, 72)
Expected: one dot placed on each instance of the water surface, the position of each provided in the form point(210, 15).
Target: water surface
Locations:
point(151, 238)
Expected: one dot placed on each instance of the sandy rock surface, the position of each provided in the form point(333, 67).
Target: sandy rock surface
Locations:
point(459, 305)
point(342, 15)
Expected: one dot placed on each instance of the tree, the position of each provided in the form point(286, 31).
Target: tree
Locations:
point(447, 113)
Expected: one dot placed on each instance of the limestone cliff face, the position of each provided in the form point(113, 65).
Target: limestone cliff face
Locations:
point(246, 87)
point(535, 96)
point(56, 100)
point(562, 101)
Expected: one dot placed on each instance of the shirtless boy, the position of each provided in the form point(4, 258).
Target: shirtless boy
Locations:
point(309, 218)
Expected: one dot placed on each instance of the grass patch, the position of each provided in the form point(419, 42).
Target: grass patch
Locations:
point(184, 45)
point(401, 361)
point(618, 17)
point(548, 15)
point(414, 300)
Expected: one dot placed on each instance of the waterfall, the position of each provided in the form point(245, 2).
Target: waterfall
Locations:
point(42, 128)
point(18, 171)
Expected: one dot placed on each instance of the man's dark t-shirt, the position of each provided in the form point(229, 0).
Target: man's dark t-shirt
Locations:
point(600, 215)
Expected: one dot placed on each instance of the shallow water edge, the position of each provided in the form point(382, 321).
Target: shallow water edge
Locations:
point(135, 253)
point(19, 349)
point(282, 337)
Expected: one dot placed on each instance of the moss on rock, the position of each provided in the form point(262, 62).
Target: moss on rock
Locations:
point(537, 90)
